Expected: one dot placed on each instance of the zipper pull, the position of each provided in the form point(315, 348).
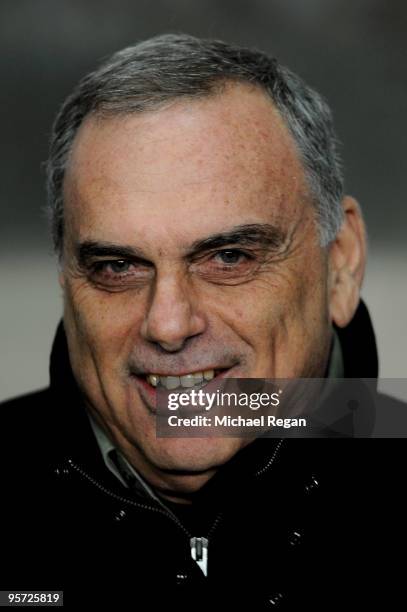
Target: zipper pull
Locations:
point(199, 553)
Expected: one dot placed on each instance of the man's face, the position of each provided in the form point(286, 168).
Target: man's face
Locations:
point(190, 246)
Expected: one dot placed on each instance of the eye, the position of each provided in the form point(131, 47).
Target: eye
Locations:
point(227, 266)
point(231, 257)
point(119, 266)
point(112, 267)
point(120, 273)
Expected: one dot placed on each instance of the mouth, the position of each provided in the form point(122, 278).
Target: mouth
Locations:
point(150, 383)
point(184, 381)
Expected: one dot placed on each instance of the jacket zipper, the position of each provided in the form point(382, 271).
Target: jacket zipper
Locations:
point(198, 545)
point(125, 500)
point(199, 553)
point(270, 462)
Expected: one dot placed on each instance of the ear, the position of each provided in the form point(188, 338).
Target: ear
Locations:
point(61, 279)
point(61, 272)
point(61, 267)
point(347, 260)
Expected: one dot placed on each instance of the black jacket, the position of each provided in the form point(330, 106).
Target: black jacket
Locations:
point(290, 523)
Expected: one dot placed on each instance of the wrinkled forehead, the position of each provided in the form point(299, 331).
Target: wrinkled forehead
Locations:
point(229, 154)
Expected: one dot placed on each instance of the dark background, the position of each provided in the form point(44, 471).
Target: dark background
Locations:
point(352, 51)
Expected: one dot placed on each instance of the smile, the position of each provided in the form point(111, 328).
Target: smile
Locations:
point(186, 381)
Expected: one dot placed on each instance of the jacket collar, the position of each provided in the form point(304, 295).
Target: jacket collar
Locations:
point(358, 344)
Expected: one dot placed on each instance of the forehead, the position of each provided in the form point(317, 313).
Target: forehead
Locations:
point(227, 154)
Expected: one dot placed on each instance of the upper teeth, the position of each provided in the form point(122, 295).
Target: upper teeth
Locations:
point(187, 380)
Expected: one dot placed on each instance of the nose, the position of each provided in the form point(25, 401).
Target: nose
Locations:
point(172, 316)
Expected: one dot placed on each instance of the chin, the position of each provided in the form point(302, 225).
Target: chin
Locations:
point(193, 456)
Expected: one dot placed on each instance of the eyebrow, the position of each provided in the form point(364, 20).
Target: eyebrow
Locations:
point(251, 234)
point(262, 235)
point(87, 250)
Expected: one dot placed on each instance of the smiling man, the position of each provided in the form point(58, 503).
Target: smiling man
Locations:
point(188, 234)
point(202, 232)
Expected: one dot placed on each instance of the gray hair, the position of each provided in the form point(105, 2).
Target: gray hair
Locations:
point(152, 73)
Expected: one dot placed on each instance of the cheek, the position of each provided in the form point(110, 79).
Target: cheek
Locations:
point(262, 306)
point(301, 329)
point(100, 326)
point(284, 320)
